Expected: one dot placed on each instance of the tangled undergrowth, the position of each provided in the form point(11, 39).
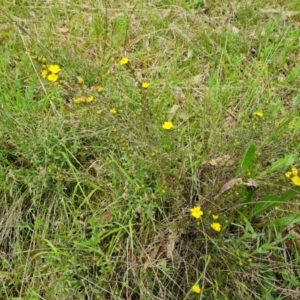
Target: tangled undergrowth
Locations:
point(150, 151)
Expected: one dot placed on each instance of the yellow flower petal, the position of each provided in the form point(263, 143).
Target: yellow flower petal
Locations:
point(215, 217)
point(124, 61)
point(90, 99)
point(52, 77)
point(167, 125)
point(44, 73)
point(296, 180)
point(79, 100)
point(145, 85)
point(54, 69)
point(294, 171)
point(196, 289)
point(196, 212)
point(259, 114)
point(113, 111)
point(216, 226)
point(288, 174)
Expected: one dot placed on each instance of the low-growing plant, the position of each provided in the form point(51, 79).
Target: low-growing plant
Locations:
point(149, 150)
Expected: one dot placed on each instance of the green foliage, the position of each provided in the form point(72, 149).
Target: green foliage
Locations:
point(96, 194)
point(271, 201)
point(248, 158)
point(285, 221)
point(282, 164)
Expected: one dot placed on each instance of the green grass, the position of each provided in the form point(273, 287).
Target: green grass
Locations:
point(97, 206)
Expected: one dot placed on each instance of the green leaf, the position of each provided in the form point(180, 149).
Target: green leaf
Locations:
point(285, 221)
point(270, 201)
point(281, 164)
point(290, 194)
point(250, 195)
point(264, 204)
point(248, 158)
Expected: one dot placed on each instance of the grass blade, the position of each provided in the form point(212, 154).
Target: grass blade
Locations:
point(248, 158)
point(284, 221)
point(270, 201)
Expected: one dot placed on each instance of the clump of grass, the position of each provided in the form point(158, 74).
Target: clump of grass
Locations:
point(149, 154)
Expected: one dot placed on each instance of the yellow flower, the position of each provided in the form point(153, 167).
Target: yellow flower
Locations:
point(196, 212)
point(288, 174)
point(258, 114)
point(167, 125)
point(293, 175)
point(296, 180)
point(216, 226)
point(52, 77)
point(124, 61)
point(113, 111)
point(99, 112)
point(215, 217)
point(44, 73)
point(100, 89)
point(54, 69)
point(145, 85)
point(196, 288)
point(294, 171)
point(90, 99)
point(79, 100)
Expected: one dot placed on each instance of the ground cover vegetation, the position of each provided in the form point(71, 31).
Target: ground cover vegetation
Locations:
point(149, 150)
